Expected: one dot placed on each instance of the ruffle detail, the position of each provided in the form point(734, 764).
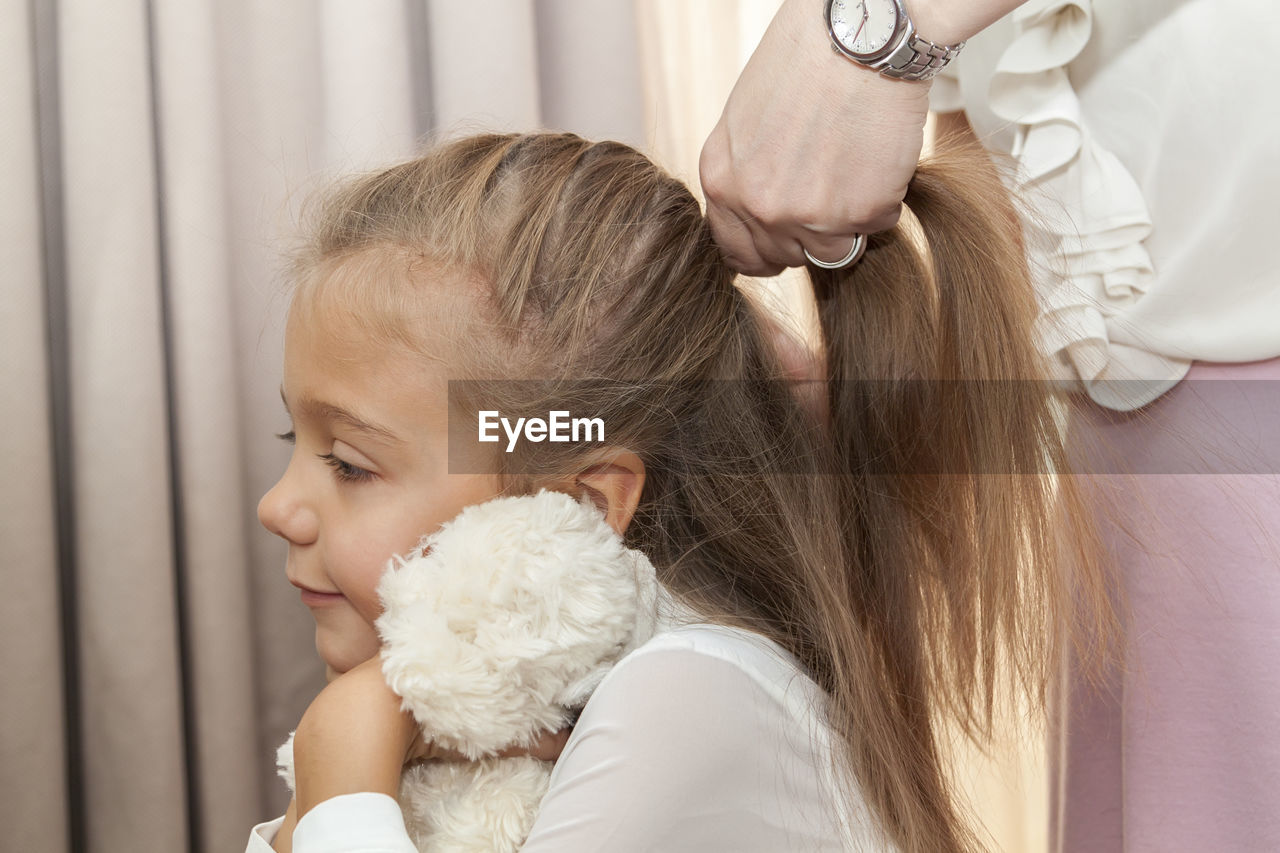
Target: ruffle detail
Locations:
point(1088, 219)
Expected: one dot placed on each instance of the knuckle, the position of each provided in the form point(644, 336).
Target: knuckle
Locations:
point(873, 215)
point(714, 185)
point(882, 218)
point(763, 205)
point(714, 174)
point(821, 217)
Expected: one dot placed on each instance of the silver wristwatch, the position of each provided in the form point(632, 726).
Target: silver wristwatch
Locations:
point(880, 35)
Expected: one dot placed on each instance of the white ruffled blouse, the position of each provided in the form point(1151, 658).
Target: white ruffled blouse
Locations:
point(1145, 136)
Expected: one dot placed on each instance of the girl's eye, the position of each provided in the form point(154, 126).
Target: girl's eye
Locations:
point(287, 436)
point(345, 471)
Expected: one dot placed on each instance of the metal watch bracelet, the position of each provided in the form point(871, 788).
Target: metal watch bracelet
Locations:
point(916, 58)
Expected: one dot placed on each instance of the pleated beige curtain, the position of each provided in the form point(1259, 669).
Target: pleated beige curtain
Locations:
point(153, 155)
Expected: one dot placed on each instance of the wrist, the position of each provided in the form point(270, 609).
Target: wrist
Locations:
point(353, 738)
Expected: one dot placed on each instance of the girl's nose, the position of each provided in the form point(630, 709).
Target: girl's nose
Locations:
point(281, 512)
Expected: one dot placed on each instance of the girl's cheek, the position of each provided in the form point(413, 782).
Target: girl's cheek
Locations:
point(355, 572)
point(364, 595)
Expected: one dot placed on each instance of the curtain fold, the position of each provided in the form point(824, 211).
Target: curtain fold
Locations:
point(131, 712)
point(33, 796)
point(209, 497)
point(483, 65)
point(589, 69)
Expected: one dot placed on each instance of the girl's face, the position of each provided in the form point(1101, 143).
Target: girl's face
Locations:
point(367, 479)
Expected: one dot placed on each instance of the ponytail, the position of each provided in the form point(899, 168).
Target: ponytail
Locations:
point(946, 445)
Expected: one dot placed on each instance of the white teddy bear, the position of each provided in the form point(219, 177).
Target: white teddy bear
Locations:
point(495, 629)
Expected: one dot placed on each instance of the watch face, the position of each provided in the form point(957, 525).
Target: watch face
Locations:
point(864, 27)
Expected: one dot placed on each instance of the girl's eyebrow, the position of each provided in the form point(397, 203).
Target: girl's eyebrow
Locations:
point(320, 410)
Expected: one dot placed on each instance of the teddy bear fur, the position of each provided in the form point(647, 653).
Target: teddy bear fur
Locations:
point(495, 629)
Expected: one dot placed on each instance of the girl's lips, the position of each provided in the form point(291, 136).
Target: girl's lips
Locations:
point(311, 598)
point(314, 597)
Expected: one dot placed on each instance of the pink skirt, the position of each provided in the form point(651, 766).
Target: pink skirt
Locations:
point(1180, 749)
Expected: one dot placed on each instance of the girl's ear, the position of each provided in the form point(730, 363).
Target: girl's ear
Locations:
point(614, 486)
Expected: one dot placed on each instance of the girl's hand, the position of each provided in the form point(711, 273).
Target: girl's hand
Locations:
point(354, 738)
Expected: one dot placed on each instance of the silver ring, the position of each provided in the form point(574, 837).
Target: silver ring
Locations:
point(859, 246)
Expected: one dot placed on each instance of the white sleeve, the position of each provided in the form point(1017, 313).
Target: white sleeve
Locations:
point(351, 823)
point(683, 751)
point(261, 836)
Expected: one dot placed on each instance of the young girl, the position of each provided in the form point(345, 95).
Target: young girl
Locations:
point(870, 569)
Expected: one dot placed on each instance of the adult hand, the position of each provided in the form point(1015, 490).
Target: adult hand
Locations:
point(811, 149)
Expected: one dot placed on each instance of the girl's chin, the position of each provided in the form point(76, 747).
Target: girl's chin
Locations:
point(331, 672)
point(334, 668)
point(342, 648)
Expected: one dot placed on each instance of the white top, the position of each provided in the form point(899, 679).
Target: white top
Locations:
point(705, 739)
point(1146, 132)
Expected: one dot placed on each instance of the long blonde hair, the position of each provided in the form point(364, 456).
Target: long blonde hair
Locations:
point(908, 551)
